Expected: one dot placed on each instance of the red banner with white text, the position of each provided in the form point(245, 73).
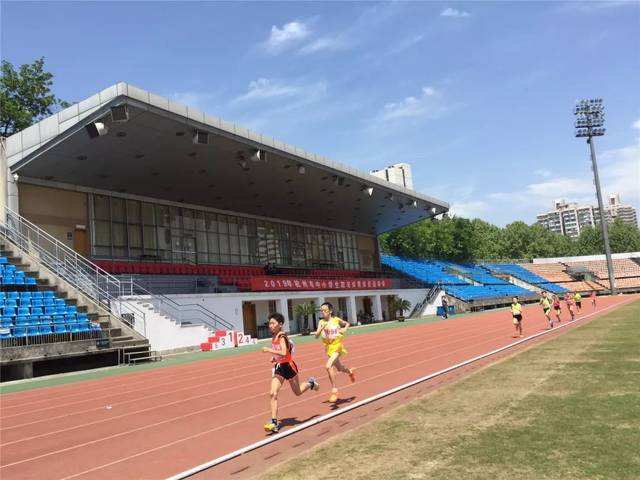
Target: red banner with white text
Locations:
point(296, 283)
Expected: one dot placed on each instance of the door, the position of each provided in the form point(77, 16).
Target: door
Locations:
point(249, 319)
point(80, 243)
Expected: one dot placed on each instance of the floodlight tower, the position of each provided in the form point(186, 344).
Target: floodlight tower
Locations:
point(589, 123)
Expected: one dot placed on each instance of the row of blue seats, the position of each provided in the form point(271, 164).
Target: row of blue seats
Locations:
point(486, 292)
point(425, 271)
point(476, 273)
point(10, 281)
point(6, 322)
point(19, 332)
point(32, 302)
point(48, 310)
point(36, 294)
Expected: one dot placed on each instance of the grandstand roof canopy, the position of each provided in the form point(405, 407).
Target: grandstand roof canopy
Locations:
point(153, 153)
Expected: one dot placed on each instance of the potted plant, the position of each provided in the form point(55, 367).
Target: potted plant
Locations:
point(400, 305)
point(304, 310)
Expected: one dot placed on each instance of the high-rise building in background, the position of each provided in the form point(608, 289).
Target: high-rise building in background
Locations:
point(400, 174)
point(569, 218)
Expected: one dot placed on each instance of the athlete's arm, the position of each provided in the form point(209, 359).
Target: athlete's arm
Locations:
point(321, 325)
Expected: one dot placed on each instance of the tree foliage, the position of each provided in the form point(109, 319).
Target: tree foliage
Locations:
point(25, 96)
point(460, 239)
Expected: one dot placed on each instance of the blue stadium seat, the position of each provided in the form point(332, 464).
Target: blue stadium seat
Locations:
point(74, 327)
point(49, 310)
point(36, 302)
point(9, 311)
point(72, 309)
point(45, 319)
point(45, 330)
point(95, 327)
point(36, 295)
point(60, 328)
point(48, 294)
point(23, 311)
point(48, 302)
point(6, 322)
point(30, 281)
point(83, 317)
point(3, 260)
point(5, 333)
point(36, 311)
point(83, 327)
point(58, 319)
point(19, 332)
point(32, 331)
point(12, 294)
point(22, 321)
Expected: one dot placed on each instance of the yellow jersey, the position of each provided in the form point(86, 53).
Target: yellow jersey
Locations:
point(331, 334)
point(516, 309)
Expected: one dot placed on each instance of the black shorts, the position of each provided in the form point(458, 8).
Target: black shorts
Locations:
point(579, 304)
point(546, 311)
point(518, 317)
point(557, 309)
point(285, 370)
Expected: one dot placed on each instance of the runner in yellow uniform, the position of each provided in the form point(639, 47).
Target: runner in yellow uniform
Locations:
point(516, 313)
point(546, 307)
point(332, 329)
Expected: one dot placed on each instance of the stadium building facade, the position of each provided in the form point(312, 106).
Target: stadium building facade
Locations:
point(142, 185)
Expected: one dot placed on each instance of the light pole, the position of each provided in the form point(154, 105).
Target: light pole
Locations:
point(589, 123)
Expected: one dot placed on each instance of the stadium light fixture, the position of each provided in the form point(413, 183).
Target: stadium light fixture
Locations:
point(589, 123)
point(367, 190)
point(120, 113)
point(97, 129)
point(257, 156)
point(301, 169)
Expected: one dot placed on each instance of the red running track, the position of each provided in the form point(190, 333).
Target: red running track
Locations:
point(158, 423)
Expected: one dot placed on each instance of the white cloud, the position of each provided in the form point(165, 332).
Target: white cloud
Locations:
point(325, 43)
point(286, 37)
point(428, 104)
point(542, 172)
point(264, 89)
point(452, 12)
point(636, 124)
point(192, 99)
point(471, 209)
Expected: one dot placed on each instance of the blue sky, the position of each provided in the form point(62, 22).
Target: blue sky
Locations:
point(476, 96)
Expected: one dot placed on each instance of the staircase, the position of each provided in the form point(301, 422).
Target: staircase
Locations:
point(69, 271)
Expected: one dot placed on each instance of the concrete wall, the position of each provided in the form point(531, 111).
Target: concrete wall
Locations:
point(55, 211)
point(165, 334)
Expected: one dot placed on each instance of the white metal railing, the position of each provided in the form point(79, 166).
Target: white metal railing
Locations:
point(96, 283)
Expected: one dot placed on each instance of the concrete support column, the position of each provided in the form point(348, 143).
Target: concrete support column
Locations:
point(281, 306)
point(4, 175)
point(12, 192)
point(352, 313)
point(376, 308)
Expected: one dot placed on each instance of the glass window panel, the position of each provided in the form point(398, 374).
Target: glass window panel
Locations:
point(148, 214)
point(101, 207)
point(234, 244)
point(135, 236)
point(233, 225)
point(201, 242)
point(119, 235)
point(164, 238)
point(187, 219)
point(212, 222)
point(224, 243)
point(133, 211)
point(163, 216)
point(149, 234)
point(102, 233)
point(222, 224)
point(200, 221)
point(176, 217)
point(102, 251)
point(214, 246)
point(244, 245)
point(242, 226)
point(118, 213)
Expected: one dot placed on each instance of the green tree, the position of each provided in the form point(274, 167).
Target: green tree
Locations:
point(25, 96)
point(623, 237)
point(590, 241)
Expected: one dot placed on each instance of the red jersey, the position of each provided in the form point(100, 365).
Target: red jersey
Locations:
point(284, 357)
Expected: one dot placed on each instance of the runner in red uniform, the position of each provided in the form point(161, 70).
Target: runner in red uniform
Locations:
point(284, 368)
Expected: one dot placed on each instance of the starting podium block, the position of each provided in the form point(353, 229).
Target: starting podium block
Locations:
point(227, 339)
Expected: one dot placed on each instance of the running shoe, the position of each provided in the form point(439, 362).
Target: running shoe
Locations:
point(313, 384)
point(271, 427)
point(352, 375)
point(334, 397)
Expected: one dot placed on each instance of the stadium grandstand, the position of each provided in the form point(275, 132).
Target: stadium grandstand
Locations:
point(168, 224)
point(134, 226)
